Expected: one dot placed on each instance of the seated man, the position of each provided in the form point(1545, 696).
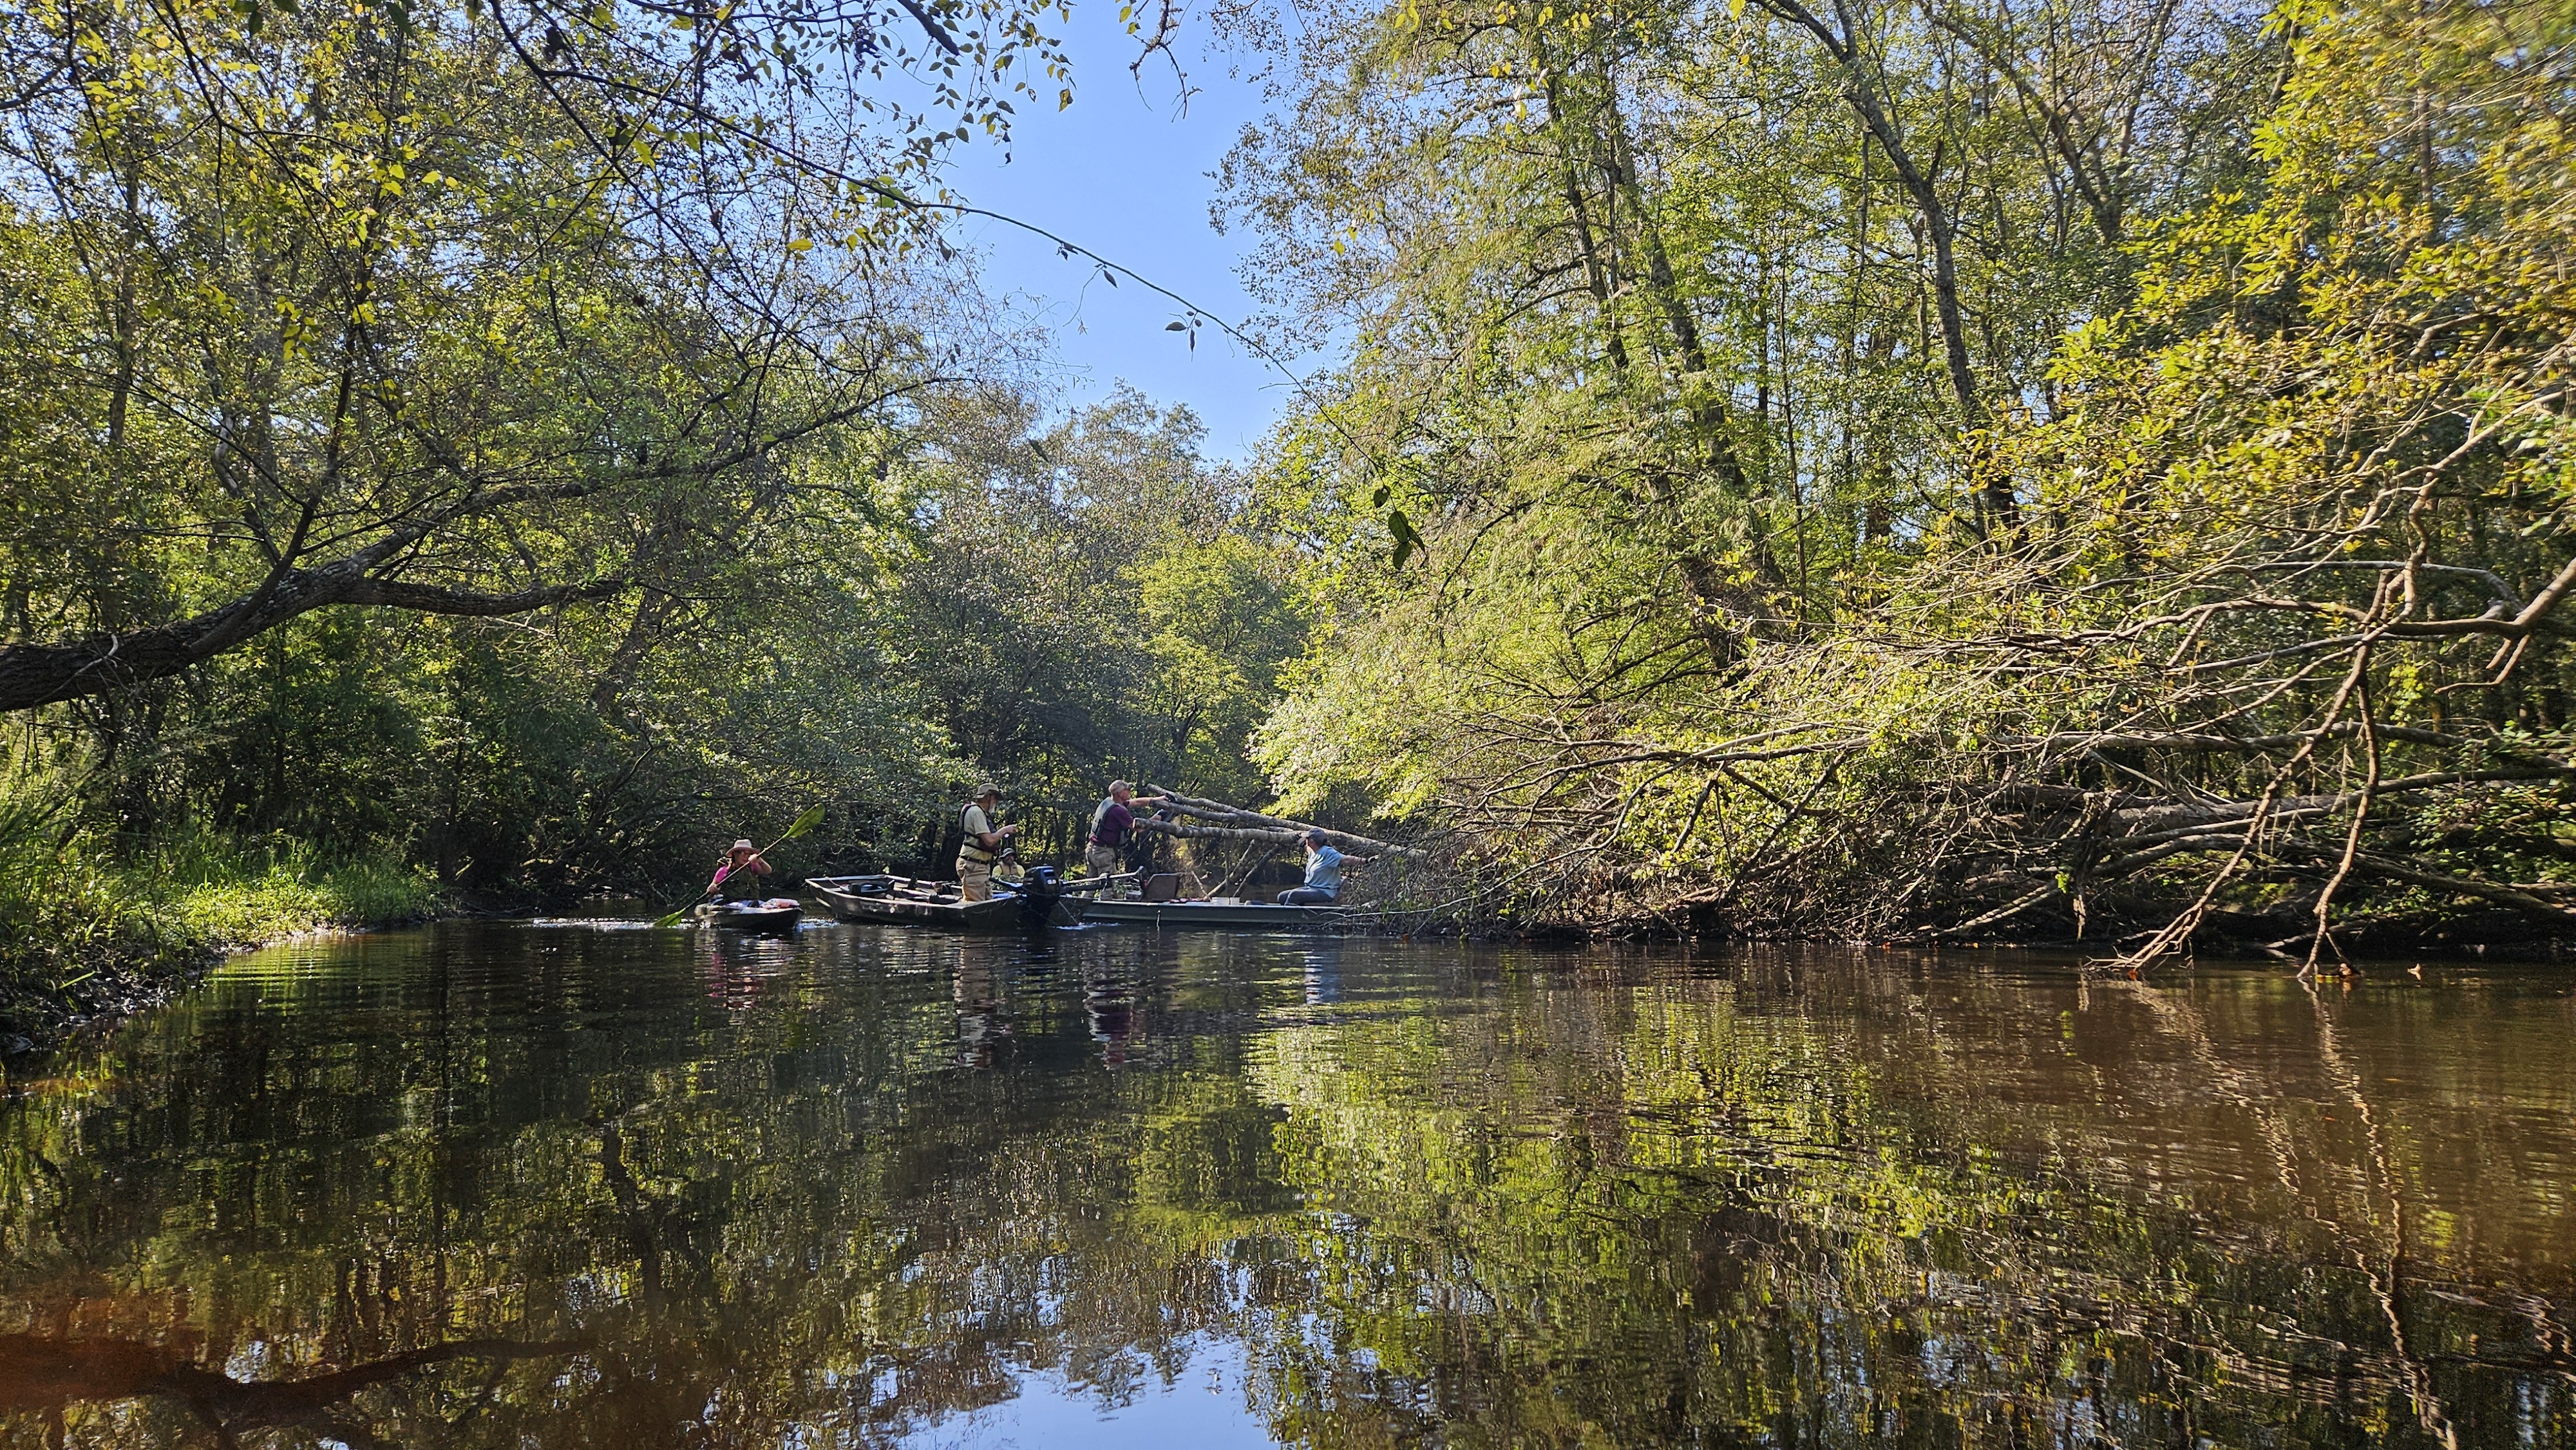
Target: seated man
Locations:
point(1323, 875)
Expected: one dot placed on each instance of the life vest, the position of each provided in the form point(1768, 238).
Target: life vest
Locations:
point(967, 847)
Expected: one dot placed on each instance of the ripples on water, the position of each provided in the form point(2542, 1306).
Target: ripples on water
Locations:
point(559, 1185)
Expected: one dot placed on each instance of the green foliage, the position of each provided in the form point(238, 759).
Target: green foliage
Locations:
point(82, 921)
point(1096, 602)
point(1218, 619)
point(2218, 586)
point(61, 914)
point(230, 893)
point(338, 335)
point(525, 445)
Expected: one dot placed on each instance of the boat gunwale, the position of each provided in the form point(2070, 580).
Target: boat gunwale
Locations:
point(1207, 915)
point(898, 908)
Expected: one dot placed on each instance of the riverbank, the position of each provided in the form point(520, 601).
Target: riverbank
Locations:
point(86, 940)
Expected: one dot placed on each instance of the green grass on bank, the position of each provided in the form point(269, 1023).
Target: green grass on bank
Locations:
point(79, 918)
point(237, 892)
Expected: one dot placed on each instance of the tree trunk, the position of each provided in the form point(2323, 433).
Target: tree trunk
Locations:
point(1233, 823)
point(1873, 104)
point(41, 674)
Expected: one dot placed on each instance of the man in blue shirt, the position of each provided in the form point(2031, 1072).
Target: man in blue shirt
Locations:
point(1323, 875)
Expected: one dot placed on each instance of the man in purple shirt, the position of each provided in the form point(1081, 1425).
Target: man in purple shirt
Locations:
point(1110, 824)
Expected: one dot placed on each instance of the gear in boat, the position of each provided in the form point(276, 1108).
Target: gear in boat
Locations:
point(1035, 900)
point(1043, 899)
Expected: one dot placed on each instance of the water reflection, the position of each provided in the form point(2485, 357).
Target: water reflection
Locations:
point(736, 965)
point(493, 1185)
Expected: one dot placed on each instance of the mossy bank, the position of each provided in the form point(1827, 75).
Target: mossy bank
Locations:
point(88, 935)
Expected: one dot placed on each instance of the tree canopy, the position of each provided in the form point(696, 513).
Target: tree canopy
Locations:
point(2078, 469)
point(532, 441)
point(1965, 469)
point(444, 310)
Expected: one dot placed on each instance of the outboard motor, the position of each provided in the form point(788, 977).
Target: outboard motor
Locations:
point(1042, 899)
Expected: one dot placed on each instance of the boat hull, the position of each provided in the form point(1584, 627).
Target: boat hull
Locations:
point(775, 915)
point(1219, 915)
point(900, 901)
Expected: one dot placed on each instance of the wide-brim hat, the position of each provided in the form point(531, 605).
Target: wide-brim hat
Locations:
point(740, 846)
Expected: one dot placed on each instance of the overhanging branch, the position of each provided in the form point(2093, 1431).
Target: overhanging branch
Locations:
point(43, 674)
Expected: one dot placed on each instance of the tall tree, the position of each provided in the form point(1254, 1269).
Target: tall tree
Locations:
point(2159, 280)
point(455, 310)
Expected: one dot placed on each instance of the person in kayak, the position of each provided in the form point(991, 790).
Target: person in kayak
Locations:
point(738, 879)
point(1323, 875)
point(1111, 821)
point(981, 844)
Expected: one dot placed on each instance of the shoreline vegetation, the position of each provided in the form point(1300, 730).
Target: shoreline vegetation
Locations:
point(2086, 472)
point(87, 939)
point(2089, 472)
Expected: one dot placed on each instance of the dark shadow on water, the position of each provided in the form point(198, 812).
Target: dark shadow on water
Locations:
point(43, 1376)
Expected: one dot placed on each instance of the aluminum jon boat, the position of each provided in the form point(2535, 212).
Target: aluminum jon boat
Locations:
point(1221, 913)
point(903, 901)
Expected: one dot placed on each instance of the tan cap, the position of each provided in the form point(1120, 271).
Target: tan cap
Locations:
point(987, 788)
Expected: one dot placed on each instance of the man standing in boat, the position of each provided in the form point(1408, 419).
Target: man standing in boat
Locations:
point(981, 845)
point(738, 879)
point(1323, 875)
point(1111, 822)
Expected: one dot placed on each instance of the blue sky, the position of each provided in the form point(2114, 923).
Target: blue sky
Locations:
point(1125, 172)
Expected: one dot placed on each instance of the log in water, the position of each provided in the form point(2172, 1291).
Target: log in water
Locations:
point(500, 1185)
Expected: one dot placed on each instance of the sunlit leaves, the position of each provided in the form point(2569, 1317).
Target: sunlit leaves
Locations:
point(1407, 541)
point(1660, 379)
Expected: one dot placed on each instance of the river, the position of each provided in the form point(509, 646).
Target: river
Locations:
point(565, 1184)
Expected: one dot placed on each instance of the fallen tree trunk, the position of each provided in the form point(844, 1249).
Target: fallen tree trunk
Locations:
point(1233, 823)
point(1189, 831)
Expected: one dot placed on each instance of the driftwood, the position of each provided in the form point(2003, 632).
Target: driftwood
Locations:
point(1233, 823)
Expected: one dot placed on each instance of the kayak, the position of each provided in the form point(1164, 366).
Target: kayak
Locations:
point(778, 913)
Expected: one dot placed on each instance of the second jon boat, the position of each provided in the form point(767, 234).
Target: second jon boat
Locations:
point(903, 901)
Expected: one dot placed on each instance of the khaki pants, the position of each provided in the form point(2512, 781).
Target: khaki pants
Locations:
point(974, 880)
point(1100, 860)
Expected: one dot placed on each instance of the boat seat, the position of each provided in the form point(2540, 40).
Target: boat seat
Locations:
point(1163, 886)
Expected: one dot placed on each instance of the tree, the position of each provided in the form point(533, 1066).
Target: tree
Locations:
point(1094, 600)
point(2286, 540)
point(438, 309)
point(1219, 615)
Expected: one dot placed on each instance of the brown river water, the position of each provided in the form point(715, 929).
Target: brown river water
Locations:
point(571, 1184)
